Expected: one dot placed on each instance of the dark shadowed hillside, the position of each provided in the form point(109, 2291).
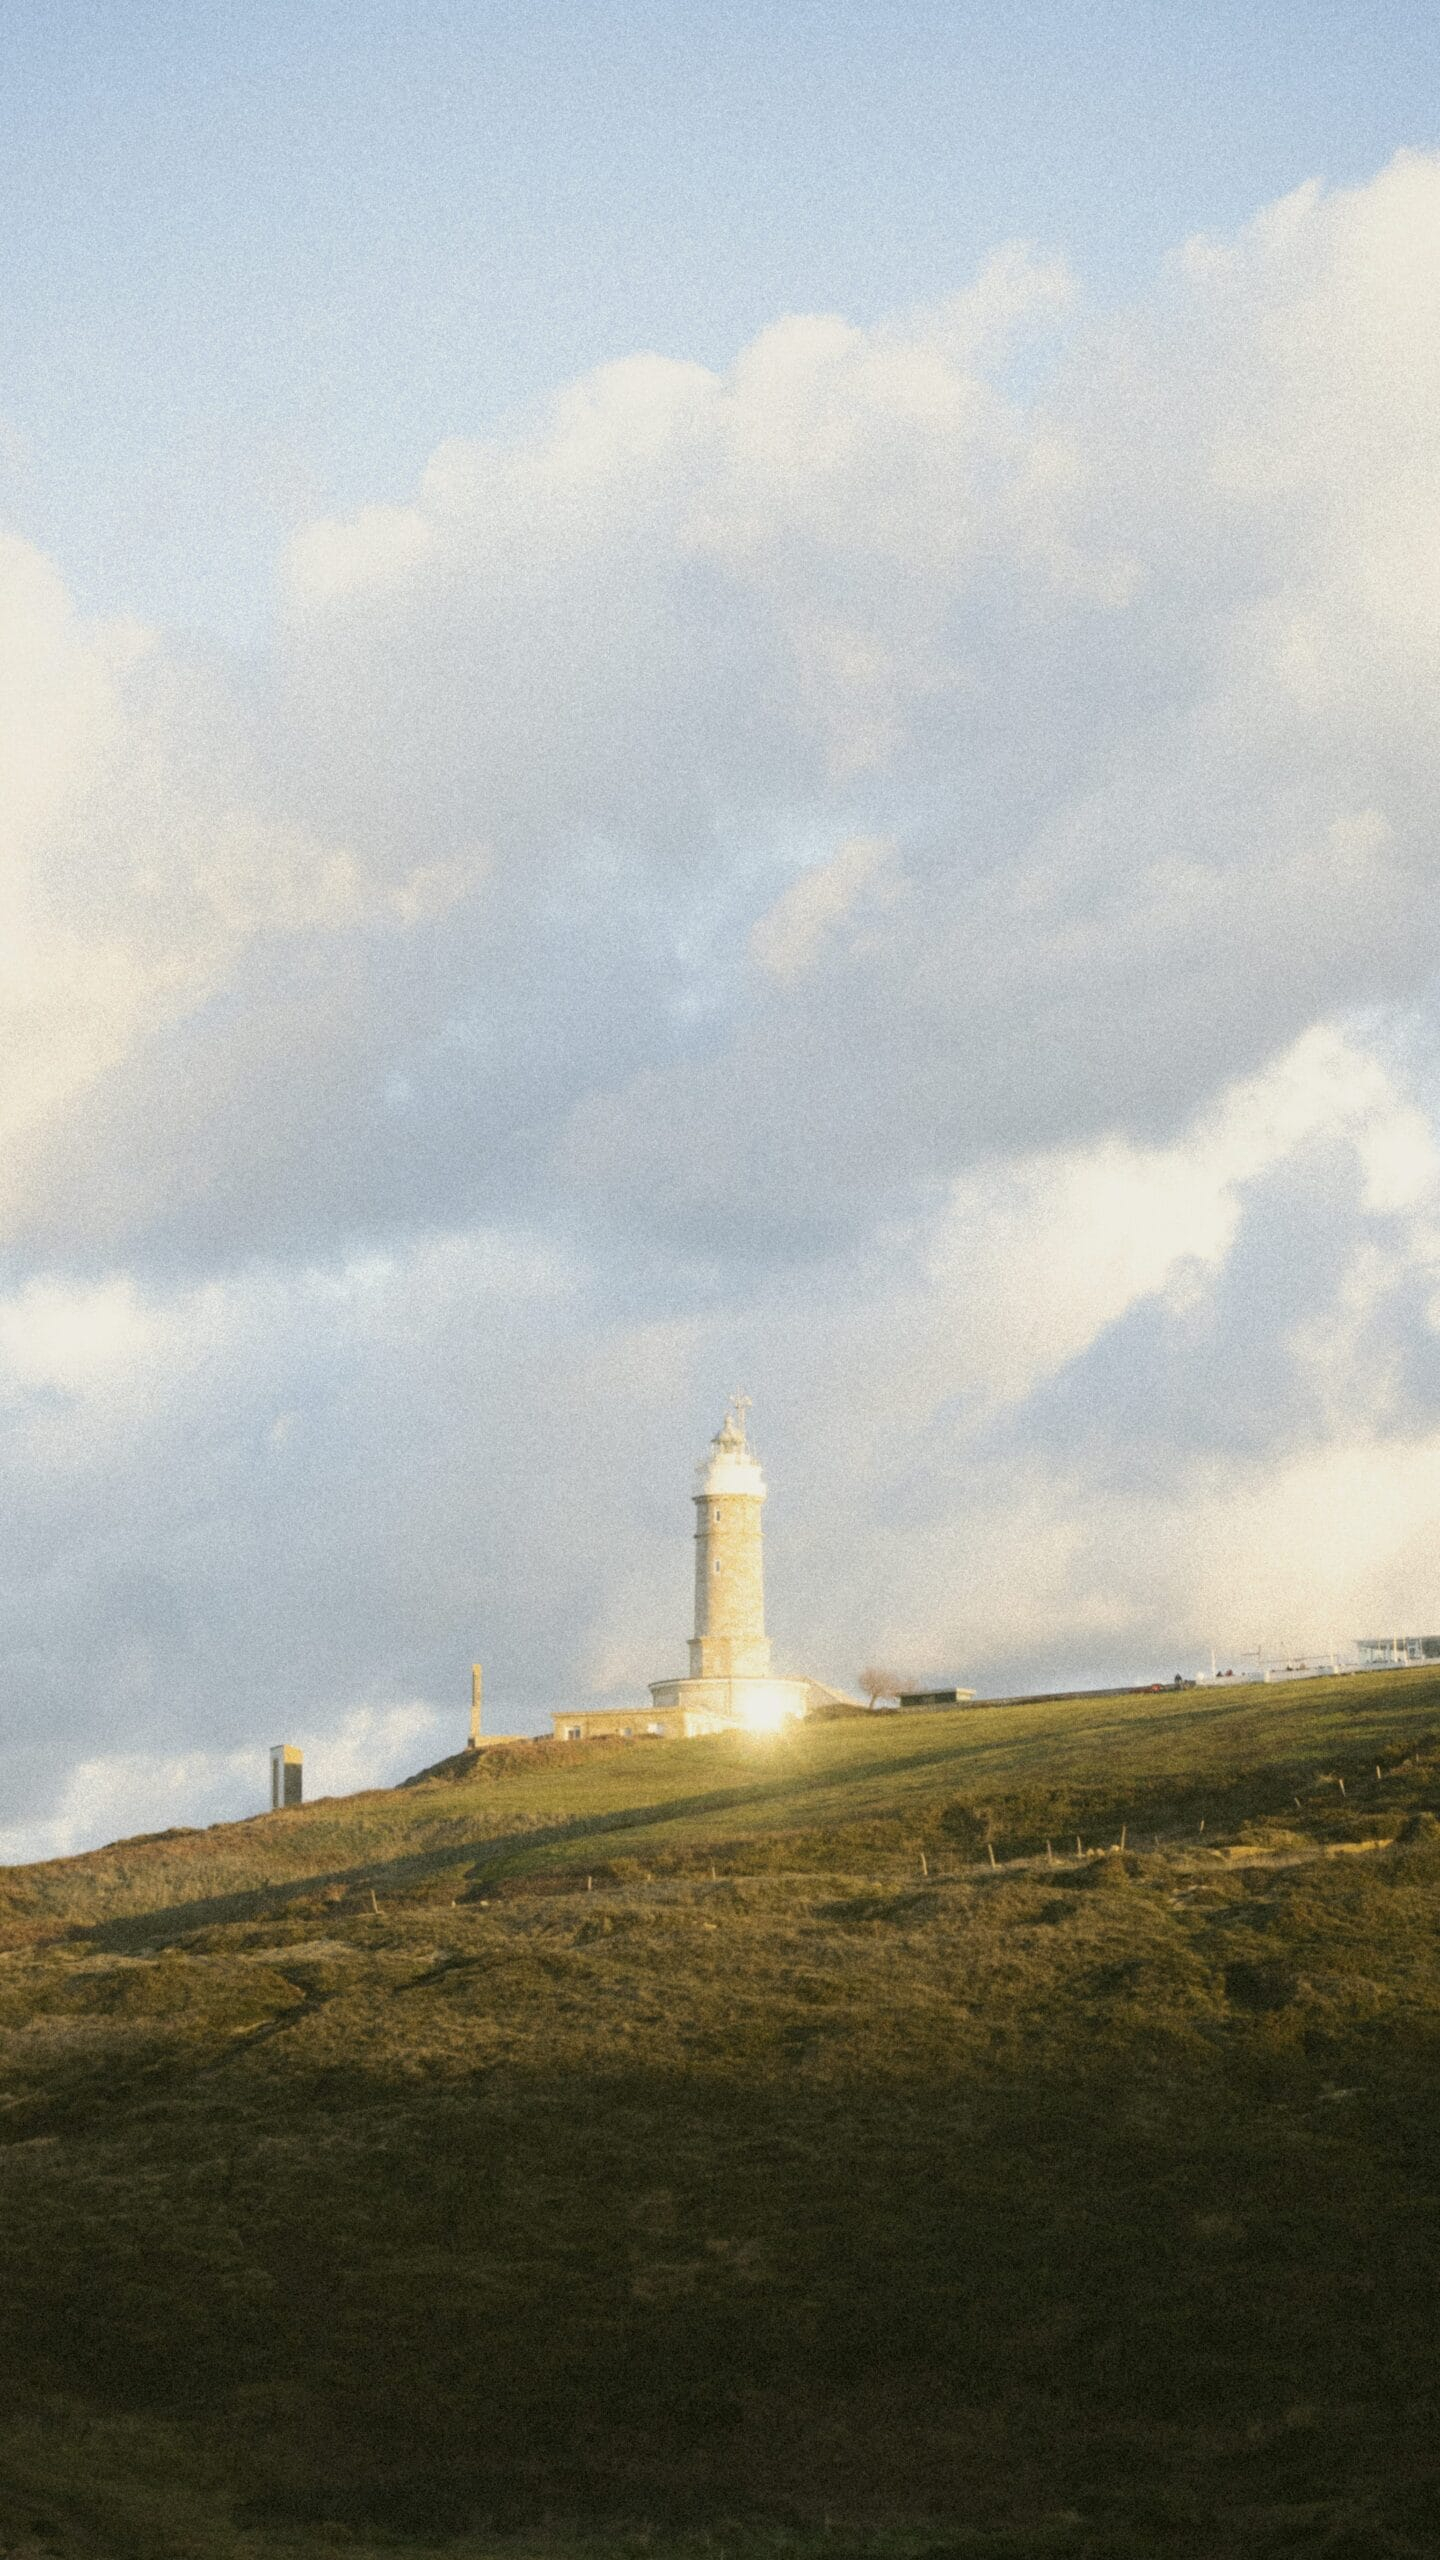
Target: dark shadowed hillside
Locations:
point(755, 2146)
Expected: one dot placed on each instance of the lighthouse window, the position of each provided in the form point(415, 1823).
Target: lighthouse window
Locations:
point(717, 1515)
point(717, 1564)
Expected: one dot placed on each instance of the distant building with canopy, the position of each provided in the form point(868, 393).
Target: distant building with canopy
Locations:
point(1383, 1653)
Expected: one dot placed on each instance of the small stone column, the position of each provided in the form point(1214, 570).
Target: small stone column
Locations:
point(477, 1683)
point(287, 1775)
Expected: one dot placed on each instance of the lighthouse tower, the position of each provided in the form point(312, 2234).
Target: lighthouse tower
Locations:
point(730, 1682)
point(729, 1642)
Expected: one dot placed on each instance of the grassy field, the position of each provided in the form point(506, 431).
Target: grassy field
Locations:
point(754, 2147)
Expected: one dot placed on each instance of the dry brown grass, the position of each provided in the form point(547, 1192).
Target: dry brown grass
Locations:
point(1084, 2208)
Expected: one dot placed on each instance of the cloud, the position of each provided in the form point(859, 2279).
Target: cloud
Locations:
point(792, 935)
point(903, 866)
point(531, 846)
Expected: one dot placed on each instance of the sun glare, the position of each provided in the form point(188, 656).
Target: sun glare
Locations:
point(767, 1711)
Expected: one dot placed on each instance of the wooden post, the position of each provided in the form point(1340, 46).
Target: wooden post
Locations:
point(990, 1845)
point(924, 1870)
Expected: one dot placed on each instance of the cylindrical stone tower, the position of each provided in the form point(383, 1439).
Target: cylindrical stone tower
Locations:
point(729, 1642)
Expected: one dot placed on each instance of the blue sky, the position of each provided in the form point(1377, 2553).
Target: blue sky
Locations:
point(693, 698)
point(259, 261)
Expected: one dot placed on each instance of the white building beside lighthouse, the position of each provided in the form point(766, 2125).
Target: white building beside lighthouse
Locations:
point(730, 1681)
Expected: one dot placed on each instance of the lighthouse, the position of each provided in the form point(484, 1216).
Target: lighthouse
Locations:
point(729, 1642)
point(730, 1682)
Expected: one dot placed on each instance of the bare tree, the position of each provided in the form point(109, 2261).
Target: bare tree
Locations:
point(879, 1683)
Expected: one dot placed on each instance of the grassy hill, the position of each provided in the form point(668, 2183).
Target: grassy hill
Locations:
point(747, 2144)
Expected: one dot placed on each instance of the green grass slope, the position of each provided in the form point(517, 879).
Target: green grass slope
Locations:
point(1167, 1759)
point(769, 2146)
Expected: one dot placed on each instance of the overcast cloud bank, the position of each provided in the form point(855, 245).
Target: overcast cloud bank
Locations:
point(903, 872)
